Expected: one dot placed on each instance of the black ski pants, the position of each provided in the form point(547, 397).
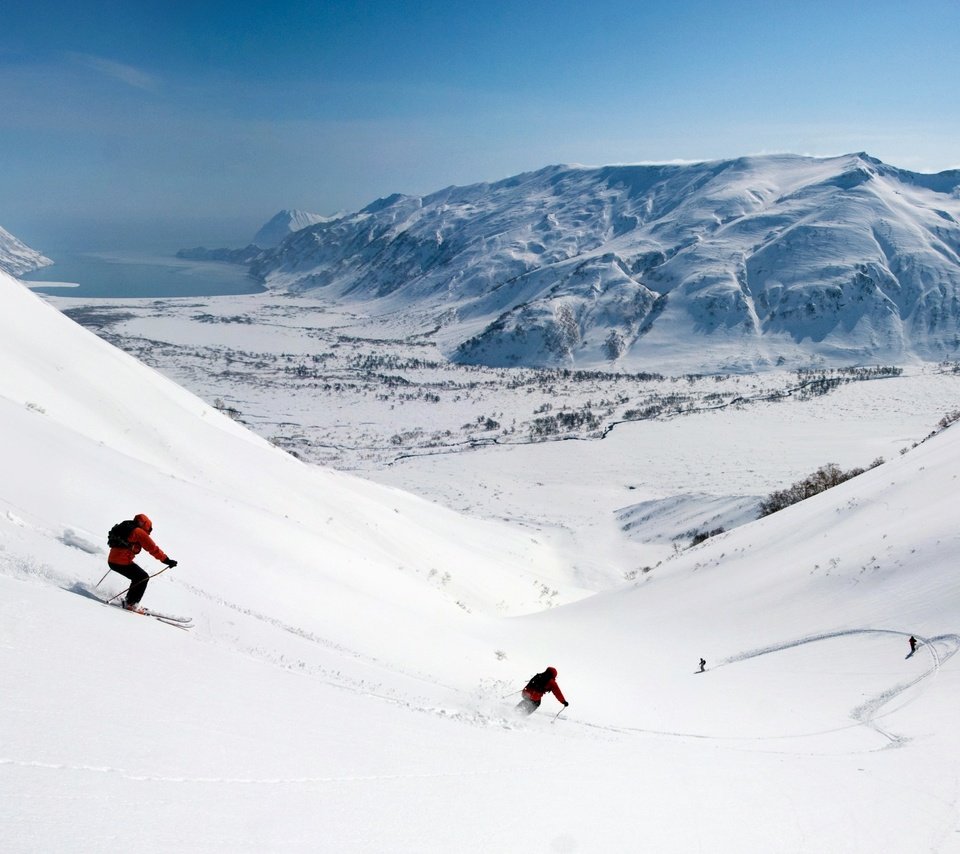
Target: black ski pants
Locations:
point(527, 706)
point(138, 580)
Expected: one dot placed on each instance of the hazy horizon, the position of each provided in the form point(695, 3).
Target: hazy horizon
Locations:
point(143, 123)
point(148, 234)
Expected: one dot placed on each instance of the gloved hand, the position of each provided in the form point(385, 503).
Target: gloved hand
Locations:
point(565, 704)
point(170, 563)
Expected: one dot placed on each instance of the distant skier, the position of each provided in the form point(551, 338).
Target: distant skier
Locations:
point(913, 644)
point(126, 540)
point(703, 664)
point(542, 683)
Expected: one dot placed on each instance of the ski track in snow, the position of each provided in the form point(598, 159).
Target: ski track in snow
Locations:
point(866, 714)
point(251, 781)
point(484, 696)
point(311, 637)
point(30, 570)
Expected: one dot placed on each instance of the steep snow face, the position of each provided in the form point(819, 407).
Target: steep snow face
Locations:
point(88, 431)
point(729, 265)
point(285, 223)
point(17, 258)
point(346, 660)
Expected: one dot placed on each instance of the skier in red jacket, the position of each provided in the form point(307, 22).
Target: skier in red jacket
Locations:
point(121, 558)
point(542, 683)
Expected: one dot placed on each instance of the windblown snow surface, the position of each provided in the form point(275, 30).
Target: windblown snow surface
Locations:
point(349, 682)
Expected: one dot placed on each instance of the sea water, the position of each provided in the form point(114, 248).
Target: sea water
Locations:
point(138, 274)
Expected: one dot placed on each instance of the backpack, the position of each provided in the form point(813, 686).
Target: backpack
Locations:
point(539, 682)
point(118, 536)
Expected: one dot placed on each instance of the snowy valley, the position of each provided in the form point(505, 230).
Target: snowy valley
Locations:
point(363, 395)
point(349, 680)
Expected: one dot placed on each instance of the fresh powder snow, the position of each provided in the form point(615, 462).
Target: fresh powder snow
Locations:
point(357, 651)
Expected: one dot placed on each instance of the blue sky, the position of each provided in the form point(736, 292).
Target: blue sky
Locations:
point(203, 119)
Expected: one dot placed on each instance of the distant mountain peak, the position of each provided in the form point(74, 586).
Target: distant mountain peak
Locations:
point(283, 224)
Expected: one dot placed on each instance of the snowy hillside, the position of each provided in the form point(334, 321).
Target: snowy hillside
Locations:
point(100, 395)
point(17, 258)
point(356, 652)
point(729, 265)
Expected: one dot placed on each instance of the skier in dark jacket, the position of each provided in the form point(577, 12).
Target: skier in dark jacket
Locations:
point(121, 558)
point(913, 644)
point(542, 683)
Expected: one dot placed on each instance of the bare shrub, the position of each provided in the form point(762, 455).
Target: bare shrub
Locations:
point(821, 480)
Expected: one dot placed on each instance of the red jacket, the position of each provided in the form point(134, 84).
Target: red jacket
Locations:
point(139, 538)
point(550, 688)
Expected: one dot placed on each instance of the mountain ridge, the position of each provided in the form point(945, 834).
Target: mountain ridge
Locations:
point(16, 258)
point(737, 264)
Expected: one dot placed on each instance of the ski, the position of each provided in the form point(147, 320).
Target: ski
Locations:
point(185, 623)
point(177, 624)
point(169, 619)
point(172, 618)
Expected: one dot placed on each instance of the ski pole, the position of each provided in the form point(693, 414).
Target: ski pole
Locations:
point(504, 697)
point(101, 580)
point(557, 715)
point(121, 593)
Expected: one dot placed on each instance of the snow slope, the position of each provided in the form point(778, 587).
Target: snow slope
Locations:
point(103, 424)
point(726, 265)
point(17, 258)
point(334, 695)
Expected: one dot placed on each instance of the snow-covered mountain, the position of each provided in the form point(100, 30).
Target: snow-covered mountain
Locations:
point(17, 258)
point(356, 653)
point(272, 233)
point(721, 265)
point(285, 223)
